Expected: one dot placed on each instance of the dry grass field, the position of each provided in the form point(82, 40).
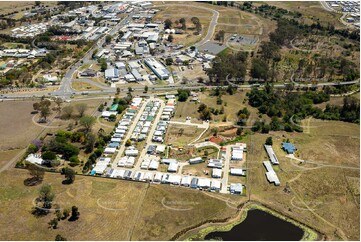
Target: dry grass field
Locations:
point(109, 209)
point(322, 196)
point(19, 128)
point(83, 86)
point(172, 12)
point(180, 135)
point(16, 126)
point(11, 6)
point(185, 109)
point(312, 12)
point(231, 103)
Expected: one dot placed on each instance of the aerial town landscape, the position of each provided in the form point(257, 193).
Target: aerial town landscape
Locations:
point(180, 120)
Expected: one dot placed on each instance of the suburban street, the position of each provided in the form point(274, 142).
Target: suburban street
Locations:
point(129, 134)
point(150, 134)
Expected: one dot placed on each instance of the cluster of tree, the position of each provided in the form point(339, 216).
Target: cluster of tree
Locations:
point(68, 111)
point(197, 24)
point(99, 146)
point(62, 215)
point(348, 112)
point(220, 36)
point(183, 95)
point(36, 173)
point(60, 144)
point(181, 21)
point(8, 23)
point(168, 23)
point(69, 175)
point(43, 107)
point(44, 202)
point(20, 75)
point(204, 112)
point(285, 108)
point(242, 116)
point(123, 103)
point(103, 64)
point(231, 65)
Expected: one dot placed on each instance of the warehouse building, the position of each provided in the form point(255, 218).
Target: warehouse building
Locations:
point(158, 69)
point(271, 154)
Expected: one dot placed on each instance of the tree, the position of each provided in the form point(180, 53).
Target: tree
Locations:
point(170, 38)
point(182, 21)
point(269, 141)
point(103, 64)
point(66, 213)
point(90, 141)
point(74, 213)
point(32, 148)
point(36, 173)
point(68, 111)
point(58, 102)
point(46, 197)
point(81, 108)
point(183, 96)
point(108, 39)
point(259, 69)
point(112, 117)
point(87, 122)
point(168, 24)
point(69, 175)
point(36, 106)
point(169, 61)
point(146, 89)
point(220, 36)
point(44, 112)
point(53, 223)
point(195, 20)
point(128, 143)
point(58, 237)
point(48, 156)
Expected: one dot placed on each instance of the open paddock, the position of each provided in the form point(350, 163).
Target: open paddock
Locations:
point(113, 209)
point(180, 135)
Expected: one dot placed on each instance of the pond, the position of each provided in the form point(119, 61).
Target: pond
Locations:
point(260, 225)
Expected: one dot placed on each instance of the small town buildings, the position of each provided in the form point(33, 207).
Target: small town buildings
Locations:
point(216, 173)
point(237, 172)
point(288, 147)
point(111, 74)
point(158, 177)
point(271, 154)
point(271, 174)
point(194, 183)
point(236, 188)
point(237, 153)
point(186, 181)
point(35, 159)
point(153, 165)
point(173, 167)
point(215, 185)
point(158, 69)
point(168, 161)
point(88, 73)
point(196, 160)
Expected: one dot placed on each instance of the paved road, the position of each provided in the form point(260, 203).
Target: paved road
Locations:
point(150, 133)
point(226, 170)
point(129, 134)
point(65, 90)
point(172, 88)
